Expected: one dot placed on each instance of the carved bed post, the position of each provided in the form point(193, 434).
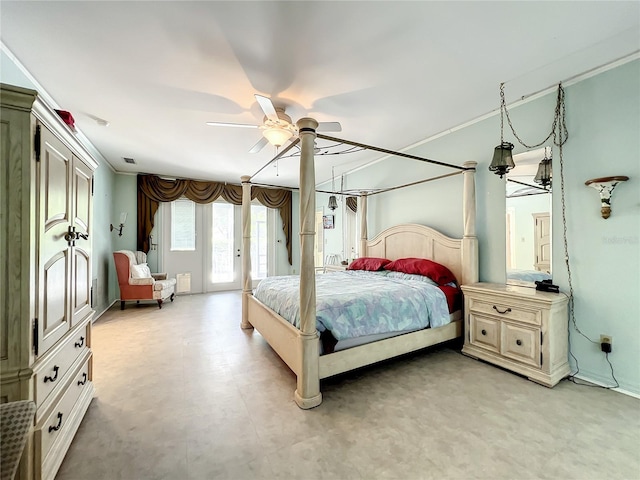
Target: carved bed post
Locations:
point(307, 394)
point(363, 224)
point(469, 240)
point(246, 249)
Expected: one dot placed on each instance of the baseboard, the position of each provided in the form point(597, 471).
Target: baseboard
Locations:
point(604, 384)
point(98, 315)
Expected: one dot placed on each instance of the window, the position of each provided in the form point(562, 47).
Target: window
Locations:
point(183, 225)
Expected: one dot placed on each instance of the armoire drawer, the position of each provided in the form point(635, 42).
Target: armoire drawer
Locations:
point(52, 373)
point(506, 311)
point(61, 416)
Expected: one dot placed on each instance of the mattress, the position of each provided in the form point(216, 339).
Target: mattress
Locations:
point(355, 307)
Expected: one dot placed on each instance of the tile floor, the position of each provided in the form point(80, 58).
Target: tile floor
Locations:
point(184, 393)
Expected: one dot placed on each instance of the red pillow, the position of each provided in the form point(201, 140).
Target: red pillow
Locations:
point(372, 264)
point(421, 266)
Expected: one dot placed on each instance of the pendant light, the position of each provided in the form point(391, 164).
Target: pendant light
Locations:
point(543, 176)
point(502, 160)
point(333, 203)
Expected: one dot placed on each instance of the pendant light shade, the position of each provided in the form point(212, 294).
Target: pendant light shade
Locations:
point(333, 203)
point(502, 159)
point(543, 177)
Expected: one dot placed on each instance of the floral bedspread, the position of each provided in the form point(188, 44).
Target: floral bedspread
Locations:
point(355, 303)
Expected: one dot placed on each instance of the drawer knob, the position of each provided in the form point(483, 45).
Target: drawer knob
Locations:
point(80, 343)
point(484, 332)
point(84, 379)
point(518, 342)
point(504, 311)
point(55, 376)
point(57, 427)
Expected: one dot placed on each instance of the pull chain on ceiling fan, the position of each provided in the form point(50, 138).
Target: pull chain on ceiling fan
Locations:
point(277, 127)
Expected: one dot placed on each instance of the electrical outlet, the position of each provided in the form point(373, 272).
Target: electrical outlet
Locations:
point(606, 339)
point(606, 343)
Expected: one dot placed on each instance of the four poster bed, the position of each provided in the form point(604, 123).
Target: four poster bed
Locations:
point(300, 348)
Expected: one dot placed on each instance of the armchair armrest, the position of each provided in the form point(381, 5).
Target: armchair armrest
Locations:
point(159, 276)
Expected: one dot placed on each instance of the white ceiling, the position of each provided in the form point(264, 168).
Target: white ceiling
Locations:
point(392, 73)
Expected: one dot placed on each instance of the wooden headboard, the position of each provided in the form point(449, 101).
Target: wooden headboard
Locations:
point(413, 240)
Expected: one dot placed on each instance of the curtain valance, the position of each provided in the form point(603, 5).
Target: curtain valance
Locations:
point(352, 204)
point(152, 190)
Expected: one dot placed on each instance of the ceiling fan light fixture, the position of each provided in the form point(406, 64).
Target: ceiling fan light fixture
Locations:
point(277, 136)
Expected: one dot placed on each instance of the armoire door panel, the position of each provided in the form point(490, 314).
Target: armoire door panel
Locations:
point(82, 286)
point(53, 308)
point(82, 176)
point(53, 251)
point(55, 181)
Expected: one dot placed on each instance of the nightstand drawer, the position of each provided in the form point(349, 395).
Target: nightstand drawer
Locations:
point(506, 312)
point(521, 343)
point(484, 332)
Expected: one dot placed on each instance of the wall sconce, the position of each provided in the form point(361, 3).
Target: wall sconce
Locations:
point(123, 219)
point(605, 186)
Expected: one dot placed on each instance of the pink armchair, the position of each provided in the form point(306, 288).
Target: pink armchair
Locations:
point(137, 282)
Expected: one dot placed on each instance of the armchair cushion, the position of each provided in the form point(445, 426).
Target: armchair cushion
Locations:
point(140, 271)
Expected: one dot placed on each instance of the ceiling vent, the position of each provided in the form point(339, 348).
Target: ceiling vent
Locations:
point(129, 160)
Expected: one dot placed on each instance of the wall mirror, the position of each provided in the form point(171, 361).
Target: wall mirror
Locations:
point(528, 220)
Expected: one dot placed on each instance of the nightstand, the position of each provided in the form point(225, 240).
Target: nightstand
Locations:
point(518, 328)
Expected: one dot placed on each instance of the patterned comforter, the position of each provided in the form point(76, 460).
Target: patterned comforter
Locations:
point(356, 303)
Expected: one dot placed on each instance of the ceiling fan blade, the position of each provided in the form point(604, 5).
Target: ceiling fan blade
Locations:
point(267, 107)
point(329, 127)
point(259, 146)
point(224, 124)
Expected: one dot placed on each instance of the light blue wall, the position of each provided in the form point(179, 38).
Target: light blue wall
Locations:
point(125, 199)
point(102, 261)
point(604, 123)
point(603, 119)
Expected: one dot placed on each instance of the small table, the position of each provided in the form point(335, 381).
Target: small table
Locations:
point(16, 419)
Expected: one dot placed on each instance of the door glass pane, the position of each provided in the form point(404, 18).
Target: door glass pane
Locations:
point(183, 225)
point(258, 241)
point(222, 243)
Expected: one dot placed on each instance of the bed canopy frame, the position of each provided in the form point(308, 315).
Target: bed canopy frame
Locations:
point(299, 348)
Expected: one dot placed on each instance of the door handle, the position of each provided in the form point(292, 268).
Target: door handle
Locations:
point(70, 236)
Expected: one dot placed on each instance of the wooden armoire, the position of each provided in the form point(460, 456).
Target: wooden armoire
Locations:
point(46, 189)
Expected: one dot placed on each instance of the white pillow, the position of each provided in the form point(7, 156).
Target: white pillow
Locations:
point(140, 271)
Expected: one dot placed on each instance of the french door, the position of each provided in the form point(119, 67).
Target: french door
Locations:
point(205, 241)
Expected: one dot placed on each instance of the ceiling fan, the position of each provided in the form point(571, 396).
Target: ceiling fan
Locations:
point(277, 127)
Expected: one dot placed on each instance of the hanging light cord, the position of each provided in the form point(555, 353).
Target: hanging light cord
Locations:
point(558, 127)
point(560, 136)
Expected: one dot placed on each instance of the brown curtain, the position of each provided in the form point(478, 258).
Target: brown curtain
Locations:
point(152, 190)
point(352, 203)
